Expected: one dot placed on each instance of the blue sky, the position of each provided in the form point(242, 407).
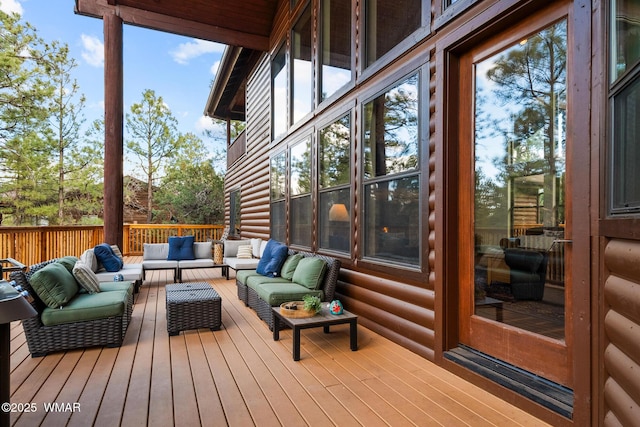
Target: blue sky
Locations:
point(180, 69)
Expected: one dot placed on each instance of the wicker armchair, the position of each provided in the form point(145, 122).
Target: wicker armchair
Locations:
point(43, 339)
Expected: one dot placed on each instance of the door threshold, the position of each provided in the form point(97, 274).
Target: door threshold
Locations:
point(553, 396)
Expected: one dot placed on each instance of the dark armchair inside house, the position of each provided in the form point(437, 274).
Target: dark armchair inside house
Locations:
point(527, 272)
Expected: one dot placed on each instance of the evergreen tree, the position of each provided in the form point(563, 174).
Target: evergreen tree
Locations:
point(153, 139)
point(191, 190)
point(24, 154)
point(74, 158)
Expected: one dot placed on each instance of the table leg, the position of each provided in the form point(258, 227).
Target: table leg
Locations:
point(276, 328)
point(296, 343)
point(353, 327)
point(326, 329)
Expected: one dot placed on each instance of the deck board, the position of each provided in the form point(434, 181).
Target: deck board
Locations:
point(239, 376)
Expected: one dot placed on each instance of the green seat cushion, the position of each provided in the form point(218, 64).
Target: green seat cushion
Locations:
point(243, 275)
point(277, 293)
point(289, 266)
point(86, 307)
point(54, 285)
point(310, 272)
point(254, 281)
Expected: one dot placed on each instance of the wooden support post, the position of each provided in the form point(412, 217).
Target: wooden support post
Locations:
point(113, 129)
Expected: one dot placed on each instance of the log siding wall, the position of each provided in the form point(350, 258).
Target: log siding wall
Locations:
point(622, 328)
point(397, 306)
point(251, 173)
point(407, 306)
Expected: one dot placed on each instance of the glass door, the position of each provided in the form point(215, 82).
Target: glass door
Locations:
point(514, 289)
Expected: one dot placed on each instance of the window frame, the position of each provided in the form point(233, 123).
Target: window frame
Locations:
point(320, 50)
point(294, 121)
point(421, 72)
point(423, 30)
point(278, 201)
point(292, 199)
point(350, 113)
point(235, 206)
point(616, 87)
point(282, 48)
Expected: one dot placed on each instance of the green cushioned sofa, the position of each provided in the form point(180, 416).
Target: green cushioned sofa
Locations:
point(261, 293)
point(70, 317)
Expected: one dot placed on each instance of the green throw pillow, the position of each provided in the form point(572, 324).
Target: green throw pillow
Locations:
point(310, 272)
point(68, 262)
point(54, 285)
point(289, 266)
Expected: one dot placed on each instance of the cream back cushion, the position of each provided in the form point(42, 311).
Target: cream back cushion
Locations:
point(89, 259)
point(245, 252)
point(86, 277)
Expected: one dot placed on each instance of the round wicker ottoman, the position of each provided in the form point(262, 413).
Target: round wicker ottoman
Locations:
point(192, 306)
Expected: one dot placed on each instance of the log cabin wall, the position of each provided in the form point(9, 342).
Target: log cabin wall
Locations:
point(395, 302)
point(621, 314)
point(406, 305)
point(250, 174)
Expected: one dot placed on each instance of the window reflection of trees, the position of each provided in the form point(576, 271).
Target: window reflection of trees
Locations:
point(391, 130)
point(301, 168)
point(334, 207)
point(520, 129)
point(390, 148)
point(335, 145)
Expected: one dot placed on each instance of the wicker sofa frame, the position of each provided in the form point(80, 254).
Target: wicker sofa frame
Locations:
point(263, 308)
point(43, 339)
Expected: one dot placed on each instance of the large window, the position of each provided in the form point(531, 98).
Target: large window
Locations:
point(279, 93)
point(300, 189)
point(391, 131)
point(278, 194)
point(335, 50)
point(323, 40)
point(391, 174)
point(625, 36)
point(625, 96)
point(302, 88)
point(387, 23)
point(334, 211)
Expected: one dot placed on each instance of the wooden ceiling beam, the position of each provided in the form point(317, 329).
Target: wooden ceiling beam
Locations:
point(156, 21)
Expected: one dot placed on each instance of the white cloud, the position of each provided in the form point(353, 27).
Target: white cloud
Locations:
point(204, 123)
point(11, 6)
point(92, 50)
point(187, 51)
point(214, 68)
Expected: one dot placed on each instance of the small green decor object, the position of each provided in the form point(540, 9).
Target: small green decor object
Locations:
point(312, 303)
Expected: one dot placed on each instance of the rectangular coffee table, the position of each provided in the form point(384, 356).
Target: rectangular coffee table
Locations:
point(324, 319)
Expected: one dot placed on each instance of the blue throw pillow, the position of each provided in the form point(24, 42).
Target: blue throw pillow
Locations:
point(272, 259)
point(266, 257)
point(181, 248)
point(105, 256)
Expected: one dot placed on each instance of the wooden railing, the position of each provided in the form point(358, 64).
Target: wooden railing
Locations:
point(136, 235)
point(237, 149)
point(31, 245)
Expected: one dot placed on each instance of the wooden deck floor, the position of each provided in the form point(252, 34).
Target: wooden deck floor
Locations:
point(239, 376)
